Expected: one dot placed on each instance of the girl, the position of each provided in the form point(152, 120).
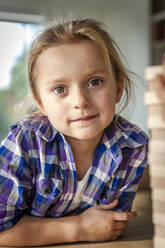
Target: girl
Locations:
point(69, 172)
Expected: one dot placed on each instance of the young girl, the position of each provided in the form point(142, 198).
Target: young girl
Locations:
point(69, 172)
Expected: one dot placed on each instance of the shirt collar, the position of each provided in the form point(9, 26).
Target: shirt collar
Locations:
point(120, 134)
point(47, 132)
point(44, 129)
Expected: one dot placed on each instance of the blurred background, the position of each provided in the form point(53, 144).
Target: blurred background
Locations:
point(137, 26)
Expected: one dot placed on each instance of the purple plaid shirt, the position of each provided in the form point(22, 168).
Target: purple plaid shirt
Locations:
point(38, 174)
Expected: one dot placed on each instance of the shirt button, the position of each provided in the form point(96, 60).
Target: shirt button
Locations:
point(47, 190)
point(103, 197)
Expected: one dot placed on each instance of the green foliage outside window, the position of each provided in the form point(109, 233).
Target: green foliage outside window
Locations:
point(14, 94)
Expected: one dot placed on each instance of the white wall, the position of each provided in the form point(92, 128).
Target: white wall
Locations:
point(128, 22)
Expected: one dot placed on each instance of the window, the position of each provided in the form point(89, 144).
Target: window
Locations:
point(16, 38)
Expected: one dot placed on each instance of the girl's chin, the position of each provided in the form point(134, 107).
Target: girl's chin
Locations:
point(85, 136)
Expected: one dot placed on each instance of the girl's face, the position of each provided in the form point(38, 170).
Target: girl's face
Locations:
point(77, 93)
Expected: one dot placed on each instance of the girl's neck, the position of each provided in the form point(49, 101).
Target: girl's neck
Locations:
point(83, 152)
point(83, 147)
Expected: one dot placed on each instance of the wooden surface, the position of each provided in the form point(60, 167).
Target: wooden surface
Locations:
point(139, 234)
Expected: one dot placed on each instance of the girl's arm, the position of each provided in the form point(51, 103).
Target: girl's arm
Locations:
point(98, 223)
point(36, 231)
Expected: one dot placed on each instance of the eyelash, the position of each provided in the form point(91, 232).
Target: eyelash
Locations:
point(88, 86)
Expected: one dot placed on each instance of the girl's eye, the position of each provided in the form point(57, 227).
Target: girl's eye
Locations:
point(60, 90)
point(95, 82)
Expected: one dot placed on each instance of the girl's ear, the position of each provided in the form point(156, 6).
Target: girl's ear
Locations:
point(39, 105)
point(119, 91)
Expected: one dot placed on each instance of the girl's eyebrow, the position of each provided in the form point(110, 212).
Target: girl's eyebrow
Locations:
point(55, 81)
point(88, 74)
point(95, 71)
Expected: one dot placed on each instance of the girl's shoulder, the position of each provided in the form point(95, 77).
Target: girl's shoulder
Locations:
point(30, 124)
point(38, 126)
point(125, 133)
point(132, 133)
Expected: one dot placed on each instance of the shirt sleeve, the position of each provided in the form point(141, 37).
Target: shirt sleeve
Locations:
point(15, 177)
point(134, 162)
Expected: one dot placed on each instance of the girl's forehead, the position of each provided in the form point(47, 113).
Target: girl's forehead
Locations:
point(71, 60)
point(84, 48)
point(72, 45)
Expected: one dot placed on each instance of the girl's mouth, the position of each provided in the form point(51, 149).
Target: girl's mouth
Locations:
point(85, 118)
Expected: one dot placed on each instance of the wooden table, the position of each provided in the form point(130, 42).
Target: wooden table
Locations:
point(139, 234)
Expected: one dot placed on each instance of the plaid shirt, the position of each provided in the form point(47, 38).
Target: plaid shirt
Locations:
point(38, 174)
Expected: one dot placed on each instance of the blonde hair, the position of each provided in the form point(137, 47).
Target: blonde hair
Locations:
point(75, 31)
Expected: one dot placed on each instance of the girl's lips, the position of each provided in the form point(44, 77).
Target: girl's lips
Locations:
point(86, 118)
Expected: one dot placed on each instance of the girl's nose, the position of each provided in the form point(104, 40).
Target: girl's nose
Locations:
point(80, 99)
